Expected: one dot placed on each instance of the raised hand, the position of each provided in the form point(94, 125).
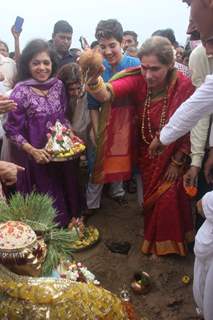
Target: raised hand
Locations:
point(15, 34)
point(91, 65)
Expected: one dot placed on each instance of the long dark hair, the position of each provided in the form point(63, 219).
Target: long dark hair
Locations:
point(70, 74)
point(33, 48)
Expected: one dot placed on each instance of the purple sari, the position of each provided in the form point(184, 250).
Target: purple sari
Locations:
point(30, 123)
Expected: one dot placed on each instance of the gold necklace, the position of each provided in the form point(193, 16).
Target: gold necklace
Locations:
point(146, 118)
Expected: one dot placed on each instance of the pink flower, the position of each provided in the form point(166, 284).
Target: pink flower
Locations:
point(48, 135)
point(52, 129)
point(64, 129)
point(59, 138)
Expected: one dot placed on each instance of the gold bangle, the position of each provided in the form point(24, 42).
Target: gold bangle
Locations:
point(93, 85)
point(177, 163)
point(97, 86)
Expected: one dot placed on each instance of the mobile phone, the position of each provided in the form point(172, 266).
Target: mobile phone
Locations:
point(84, 43)
point(18, 24)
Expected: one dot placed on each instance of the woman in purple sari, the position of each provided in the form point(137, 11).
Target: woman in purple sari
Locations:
point(41, 100)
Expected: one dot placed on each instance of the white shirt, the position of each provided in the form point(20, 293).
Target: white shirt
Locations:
point(204, 237)
point(8, 69)
point(200, 66)
point(188, 114)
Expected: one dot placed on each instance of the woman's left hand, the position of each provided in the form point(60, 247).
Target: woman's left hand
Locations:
point(172, 173)
point(156, 147)
point(41, 156)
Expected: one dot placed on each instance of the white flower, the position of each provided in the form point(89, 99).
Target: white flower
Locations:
point(87, 274)
point(74, 271)
point(73, 275)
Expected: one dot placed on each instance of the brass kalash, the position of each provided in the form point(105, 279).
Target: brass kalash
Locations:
point(21, 251)
point(24, 252)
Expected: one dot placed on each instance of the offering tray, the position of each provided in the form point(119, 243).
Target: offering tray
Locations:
point(88, 236)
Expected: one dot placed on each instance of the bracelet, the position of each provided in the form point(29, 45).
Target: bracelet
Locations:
point(94, 87)
point(177, 163)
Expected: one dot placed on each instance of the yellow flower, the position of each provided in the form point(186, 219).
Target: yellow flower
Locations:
point(186, 279)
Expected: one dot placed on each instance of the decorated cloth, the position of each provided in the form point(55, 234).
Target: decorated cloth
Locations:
point(183, 69)
point(168, 220)
point(49, 298)
point(109, 72)
point(116, 141)
point(94, 191)
point(30, 123)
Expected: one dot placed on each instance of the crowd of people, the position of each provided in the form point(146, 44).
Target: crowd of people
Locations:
point(144, 113)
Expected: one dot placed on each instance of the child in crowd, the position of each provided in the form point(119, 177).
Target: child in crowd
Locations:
point(109, 34)
point(77, 112)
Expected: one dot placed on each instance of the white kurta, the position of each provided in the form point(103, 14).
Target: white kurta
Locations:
point(200, 66)
point(203, 267)
point(188, 114)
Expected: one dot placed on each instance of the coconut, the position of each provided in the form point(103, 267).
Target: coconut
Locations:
point(90, 62)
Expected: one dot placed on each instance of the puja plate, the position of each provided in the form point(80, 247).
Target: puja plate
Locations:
point(64, 159)
point(92, 237)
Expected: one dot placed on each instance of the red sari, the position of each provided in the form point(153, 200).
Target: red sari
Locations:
point(168, 222)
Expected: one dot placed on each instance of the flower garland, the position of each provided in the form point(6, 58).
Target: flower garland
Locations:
point(76, 272)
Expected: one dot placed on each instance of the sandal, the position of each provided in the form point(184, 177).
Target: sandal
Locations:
point(118, 247)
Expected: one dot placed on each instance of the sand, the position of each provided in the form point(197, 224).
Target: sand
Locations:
point(169, 298)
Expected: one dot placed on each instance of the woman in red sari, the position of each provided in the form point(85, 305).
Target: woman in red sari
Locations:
point(148, 100)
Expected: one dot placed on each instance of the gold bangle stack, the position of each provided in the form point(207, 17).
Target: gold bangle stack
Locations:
point(93, 88)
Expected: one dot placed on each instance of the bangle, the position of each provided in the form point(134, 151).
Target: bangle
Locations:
point(177, 163)
point(94, 87)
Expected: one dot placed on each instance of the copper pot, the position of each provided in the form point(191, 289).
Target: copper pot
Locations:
point(141, 283)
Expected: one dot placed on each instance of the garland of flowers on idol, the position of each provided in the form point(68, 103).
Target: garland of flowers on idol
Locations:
point(76, 271)
point(146, 117)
